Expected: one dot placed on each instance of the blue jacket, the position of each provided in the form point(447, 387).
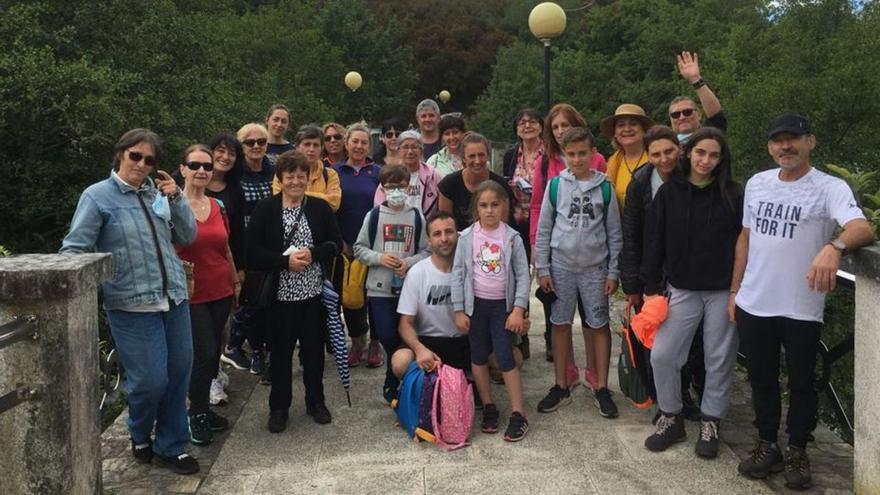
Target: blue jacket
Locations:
point(111, 218)
point(516, 265)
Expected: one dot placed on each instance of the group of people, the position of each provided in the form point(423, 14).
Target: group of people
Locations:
point(450, 248)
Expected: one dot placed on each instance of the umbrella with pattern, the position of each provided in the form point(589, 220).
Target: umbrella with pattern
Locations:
point(330, 299)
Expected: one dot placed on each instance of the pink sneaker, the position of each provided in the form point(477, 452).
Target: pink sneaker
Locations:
point(357, 354)
point(374, 355)
point(572, 373)
point(590, 380)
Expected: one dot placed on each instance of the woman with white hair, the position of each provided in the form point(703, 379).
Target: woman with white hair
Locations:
point(423, 192)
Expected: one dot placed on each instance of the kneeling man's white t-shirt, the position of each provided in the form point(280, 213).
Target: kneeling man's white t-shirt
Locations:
point(427, 295)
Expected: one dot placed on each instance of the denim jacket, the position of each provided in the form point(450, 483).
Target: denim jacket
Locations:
point(516, 265)
point(110, 218)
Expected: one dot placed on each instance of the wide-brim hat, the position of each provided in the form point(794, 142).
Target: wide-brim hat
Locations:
point(625, 110)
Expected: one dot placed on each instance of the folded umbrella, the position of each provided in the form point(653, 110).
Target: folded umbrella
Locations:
point(330, 299)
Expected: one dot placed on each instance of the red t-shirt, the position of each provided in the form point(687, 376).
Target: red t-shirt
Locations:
point(212, 273)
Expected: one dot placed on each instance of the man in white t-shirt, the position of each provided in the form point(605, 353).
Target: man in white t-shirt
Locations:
point(786, 261)
point(427, 321)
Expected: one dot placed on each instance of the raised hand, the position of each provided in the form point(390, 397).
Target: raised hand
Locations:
point(689, 66)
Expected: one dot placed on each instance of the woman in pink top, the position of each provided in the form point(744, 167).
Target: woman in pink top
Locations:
point(561, 118)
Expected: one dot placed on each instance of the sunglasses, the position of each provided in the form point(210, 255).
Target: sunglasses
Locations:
point(136, 157)
point(251, 142)
point(681, 113)
point(208, 166)
point(332, 137)
point(391, 134)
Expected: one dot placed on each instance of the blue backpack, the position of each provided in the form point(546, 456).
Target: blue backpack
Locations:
point(409, 405)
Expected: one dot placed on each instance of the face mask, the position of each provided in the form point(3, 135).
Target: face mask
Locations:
point(396, 198)
point(161, 207)
point(682, 138)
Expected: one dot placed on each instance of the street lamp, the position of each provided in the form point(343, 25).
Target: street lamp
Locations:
point(547, 22)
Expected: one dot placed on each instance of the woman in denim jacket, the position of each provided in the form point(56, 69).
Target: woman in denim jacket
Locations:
point(139, 220)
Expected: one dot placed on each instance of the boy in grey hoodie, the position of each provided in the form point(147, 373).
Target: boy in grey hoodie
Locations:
point(578, 242)
point(392, 239)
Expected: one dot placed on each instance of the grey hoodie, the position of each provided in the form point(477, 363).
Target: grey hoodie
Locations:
point(400, 237)
point(578, 235)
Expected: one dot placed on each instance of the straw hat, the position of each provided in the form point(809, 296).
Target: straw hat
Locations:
point(625, 110)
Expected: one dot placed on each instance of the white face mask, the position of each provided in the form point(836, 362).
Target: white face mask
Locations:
point(396, 198)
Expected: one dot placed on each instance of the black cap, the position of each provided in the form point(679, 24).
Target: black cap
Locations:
point(790, 123)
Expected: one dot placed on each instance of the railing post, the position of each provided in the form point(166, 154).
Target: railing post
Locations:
point(865, 263)
point(51, 437)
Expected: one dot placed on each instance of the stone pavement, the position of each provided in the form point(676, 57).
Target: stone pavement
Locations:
point(573, 450)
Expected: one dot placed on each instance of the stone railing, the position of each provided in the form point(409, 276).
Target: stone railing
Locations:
point(49, 390)
point(865, 264)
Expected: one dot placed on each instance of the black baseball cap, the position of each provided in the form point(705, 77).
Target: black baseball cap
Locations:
point(790, 123)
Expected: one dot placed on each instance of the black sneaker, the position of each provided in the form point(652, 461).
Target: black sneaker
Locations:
point(707, 444)
point(142, 452)
point(389, 394)
point(180, 464)
point(797, 469)
point(217, 422)
point(670, 430)
point(607, 407)
point(258, 363)
point(517, 427)
point(319, 413)
point(764, 459)
point(235, 358)
point(556, 398)
point(200, 429)
point(490, 419)
point(277, 421)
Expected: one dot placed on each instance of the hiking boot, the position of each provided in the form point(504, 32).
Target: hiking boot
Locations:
point(490, 419)
point(797, 469)
point(517, 427)
point(277, 421)
point(556, 398)
point(707, 444)
point(180, 464)
point(689, 409)
point(590, 380)
point(319, 413)
point(607, 407)
point(142, 452)
point(200, 429)
point(764, 459)
point(258, 363)
point(670, 430)
point(236, 358)
point(218, 395)
point(357, 354)
point(374, 355)
point(572, 375)
point(217, 422)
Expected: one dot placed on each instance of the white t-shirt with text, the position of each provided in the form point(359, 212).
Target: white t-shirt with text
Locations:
point(427, 295)
point(789, 223)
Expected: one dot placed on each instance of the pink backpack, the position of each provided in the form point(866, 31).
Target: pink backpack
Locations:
point(453, 409)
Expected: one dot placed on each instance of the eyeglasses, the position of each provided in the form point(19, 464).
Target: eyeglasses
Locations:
point(136, 157)
point(391, 134)
point(332, 137)
point(687, 112)
point(251, 142)
point(523, 123)
point(208, 166)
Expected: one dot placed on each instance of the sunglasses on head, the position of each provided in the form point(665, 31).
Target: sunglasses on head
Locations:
point(391, 134)
point(333, 137)
point(208, 166)
point(136, 157)
point(251, 142)
point(687, 112)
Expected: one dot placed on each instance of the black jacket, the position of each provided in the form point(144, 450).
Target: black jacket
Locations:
point(690, 236)
point(266, 230)
point(638, 197)
point(508, 163)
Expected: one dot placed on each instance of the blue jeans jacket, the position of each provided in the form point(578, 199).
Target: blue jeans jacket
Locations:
point(113, 217)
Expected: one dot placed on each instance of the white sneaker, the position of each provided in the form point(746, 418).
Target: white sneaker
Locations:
point(218, 395)
point(223, 378)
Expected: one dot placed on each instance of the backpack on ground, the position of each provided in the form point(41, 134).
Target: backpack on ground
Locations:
point(634, 373)
point(408, 404)
point(453, 409)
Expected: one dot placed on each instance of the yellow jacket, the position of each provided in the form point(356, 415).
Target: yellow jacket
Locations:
point(327, 190)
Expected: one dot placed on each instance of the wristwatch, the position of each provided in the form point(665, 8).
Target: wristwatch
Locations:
point(699, 83)
point(839, 245)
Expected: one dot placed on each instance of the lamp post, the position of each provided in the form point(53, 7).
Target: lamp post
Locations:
point(547, 22)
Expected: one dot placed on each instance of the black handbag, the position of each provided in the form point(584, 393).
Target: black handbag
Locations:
point(261, 286)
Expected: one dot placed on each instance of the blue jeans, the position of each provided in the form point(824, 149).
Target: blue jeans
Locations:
point(385, 320)
point(488, 335)
point(156, 351)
